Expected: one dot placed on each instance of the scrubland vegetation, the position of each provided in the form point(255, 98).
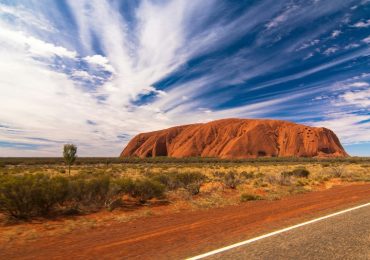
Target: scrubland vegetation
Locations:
point(167, 160)
point(101, 190)
point(40, 187)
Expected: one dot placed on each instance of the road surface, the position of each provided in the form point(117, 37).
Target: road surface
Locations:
point(344, 236)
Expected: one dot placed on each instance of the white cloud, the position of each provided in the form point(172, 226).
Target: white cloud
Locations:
point(320, 98)
point(31, 44)
point(359, 84)
point(310, 55)
point(41, 102)
point(366, 40)
point(351, 46)
point(44, 103)
point(166, 34)
point(27, 18)
point(359, 98)
point(138, 62)
point(277, 20)
point(100, 61)
point(347, 126)
point(308, 44)
point(335, 33)
point(358, 94)
point(362, 24)
point(97, 59)
point(161, 93)
point(342, 115)
point(331, 50)
point(82, 74)
point(283, 17)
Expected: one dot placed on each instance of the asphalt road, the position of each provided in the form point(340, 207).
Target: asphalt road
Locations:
point(345, 236)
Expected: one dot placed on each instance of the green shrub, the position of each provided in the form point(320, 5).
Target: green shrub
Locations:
point(122, 186)
point(117, 188)
point(218, 175)
point(146, 189)
point(166, 180)
point(193, 188)
point(190, 181)
point(247, 175)
point(93, 191)
point(31, 195)
point(232, 180)
point(16, 196)
point(248, 197)
point(185, 179)
point(299, 173)
point(48, 193)
point(114, 203)
point(337, 171)
point(302, 182)
point(283, 179)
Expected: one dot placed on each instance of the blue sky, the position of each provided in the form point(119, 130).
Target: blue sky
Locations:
point(95, 72)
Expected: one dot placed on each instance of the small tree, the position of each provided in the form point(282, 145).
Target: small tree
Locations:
point(69, 154)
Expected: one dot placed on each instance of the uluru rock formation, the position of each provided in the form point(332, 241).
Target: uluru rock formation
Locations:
point(237, 138)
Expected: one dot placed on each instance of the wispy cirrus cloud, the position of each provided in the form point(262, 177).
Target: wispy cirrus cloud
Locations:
point(23, 18)
point(32, 45)
point(97, 72)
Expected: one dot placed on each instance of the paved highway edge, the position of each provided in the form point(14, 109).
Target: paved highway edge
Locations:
point(245, 242)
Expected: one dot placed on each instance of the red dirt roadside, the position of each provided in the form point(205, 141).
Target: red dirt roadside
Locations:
point(182, 235)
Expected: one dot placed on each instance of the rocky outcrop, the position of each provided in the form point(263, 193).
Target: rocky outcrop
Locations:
point(237, 138)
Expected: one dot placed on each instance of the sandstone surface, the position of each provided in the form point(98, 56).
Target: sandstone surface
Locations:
point(237, 139)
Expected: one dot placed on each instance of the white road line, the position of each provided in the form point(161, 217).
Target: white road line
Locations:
point(275, 233)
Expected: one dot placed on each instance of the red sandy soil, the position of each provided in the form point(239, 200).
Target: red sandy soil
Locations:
point(181, 235)
point(237, 138)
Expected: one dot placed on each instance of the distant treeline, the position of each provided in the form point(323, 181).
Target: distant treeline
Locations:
point(157, 160)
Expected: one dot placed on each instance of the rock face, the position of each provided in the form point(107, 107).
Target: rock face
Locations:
point(237, 138)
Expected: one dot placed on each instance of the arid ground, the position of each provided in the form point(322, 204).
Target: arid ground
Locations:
point(190, 207)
